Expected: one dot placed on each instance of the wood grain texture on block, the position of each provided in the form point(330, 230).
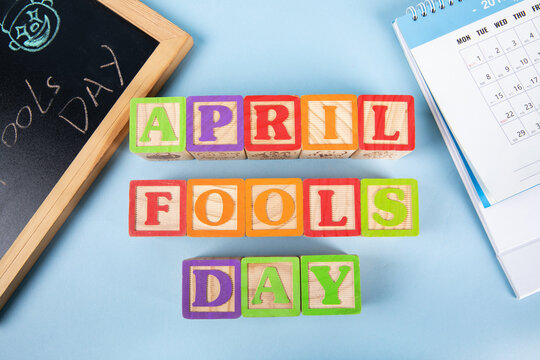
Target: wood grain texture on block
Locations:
point(215, 127)
point(390, 207)
point(330, 284)
point(215, 207)
point(274, 207)
point(270, 286)
point(157, 208)
point(158, 128)
point(386, 126)
point(331, 207)
point(329, 126)
point(211, 288)
point(272, 127)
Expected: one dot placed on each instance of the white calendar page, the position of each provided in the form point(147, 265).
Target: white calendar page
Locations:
point(485, 78)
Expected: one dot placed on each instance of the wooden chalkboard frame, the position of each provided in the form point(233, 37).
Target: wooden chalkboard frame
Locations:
point(174, 44)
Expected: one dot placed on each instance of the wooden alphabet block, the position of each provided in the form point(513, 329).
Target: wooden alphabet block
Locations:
point(329, 126)
point(330, 284)
point(157, 128)
point(211, 288)
point(331, 207)
point(272, 127)
point(216, 207)
point(215, 127)
point(386, 126)
point(270, 286)
point(157, 208)
point(274, 207)
point(390, 207)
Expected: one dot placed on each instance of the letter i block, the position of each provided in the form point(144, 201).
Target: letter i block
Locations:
point(274, 207)
point(215, 207)
point(211, 288)
point(331, 207)
point(215, 127)
point(270, 286)
point(272, 127)
point(386, 126)
point(157, 128)
point(330, 285)
point(329, 126)
point(389, 207)
point(157, 208)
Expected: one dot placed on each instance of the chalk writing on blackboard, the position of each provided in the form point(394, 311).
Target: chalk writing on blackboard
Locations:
point(2, 182)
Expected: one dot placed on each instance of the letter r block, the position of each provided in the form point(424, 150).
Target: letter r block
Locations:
point(157, 128)
point(331, 207)
point(211, 288)
point(330, 284)
point(157, 208)
point(390, 207)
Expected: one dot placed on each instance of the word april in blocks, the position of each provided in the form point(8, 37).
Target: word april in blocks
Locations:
point(274, 207)
point(226, 288)
point(273, 127)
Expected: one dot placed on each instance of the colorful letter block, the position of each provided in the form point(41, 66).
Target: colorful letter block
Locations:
point(274, 207)
point(329, 126)
point(330, 284)
point(215, 127)
point(211, 288)
point(386, 126)
point(158, 128)
point(272, 127)
point(215, 207)
point(331, 207)
point(390, 207)
point(157, 208)
point(270, 286)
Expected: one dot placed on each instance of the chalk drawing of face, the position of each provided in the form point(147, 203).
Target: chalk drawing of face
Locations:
point(31, 24)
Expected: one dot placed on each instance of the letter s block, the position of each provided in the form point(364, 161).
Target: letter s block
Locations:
point(157, 208)
point(211, 288)
point(390, 207)
point(157, 128)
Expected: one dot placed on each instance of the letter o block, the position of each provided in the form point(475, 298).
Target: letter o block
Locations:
point(390, 207)
point(215, 207)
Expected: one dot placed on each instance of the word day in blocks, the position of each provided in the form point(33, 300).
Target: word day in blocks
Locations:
point(227, 288)
point(274, 207)
point(273, 127)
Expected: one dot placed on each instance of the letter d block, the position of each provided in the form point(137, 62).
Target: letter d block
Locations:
point(330, 285)
point(157, 208)
point(270, 286)
point(389, 207)
point(211, 288)
point(157, 128)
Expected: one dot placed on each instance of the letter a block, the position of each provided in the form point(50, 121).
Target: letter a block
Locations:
point(211, 288)
point(272, 127)
point(157, 208)
point(390, 207)
point(157, 128)
point(270, 286)
point(386, 126)
point(330, 285)
point(331, 207)
point(329, 126)
point(215, 127)
point(215, 207)
point(274, 207)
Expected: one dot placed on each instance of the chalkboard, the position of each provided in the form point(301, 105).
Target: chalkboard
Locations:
point(68, 69)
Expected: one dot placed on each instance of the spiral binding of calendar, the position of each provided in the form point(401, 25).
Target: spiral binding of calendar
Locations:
point(428, 6)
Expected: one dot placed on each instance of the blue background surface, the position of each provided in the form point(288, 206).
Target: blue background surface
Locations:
point(96, 293)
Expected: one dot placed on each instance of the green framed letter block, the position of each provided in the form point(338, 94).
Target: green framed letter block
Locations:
point(330, 285)
point(389, 207)
point(157, 128)
point(270, 286)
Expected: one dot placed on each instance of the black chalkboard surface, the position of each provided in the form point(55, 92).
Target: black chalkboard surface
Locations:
point(65, 65)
